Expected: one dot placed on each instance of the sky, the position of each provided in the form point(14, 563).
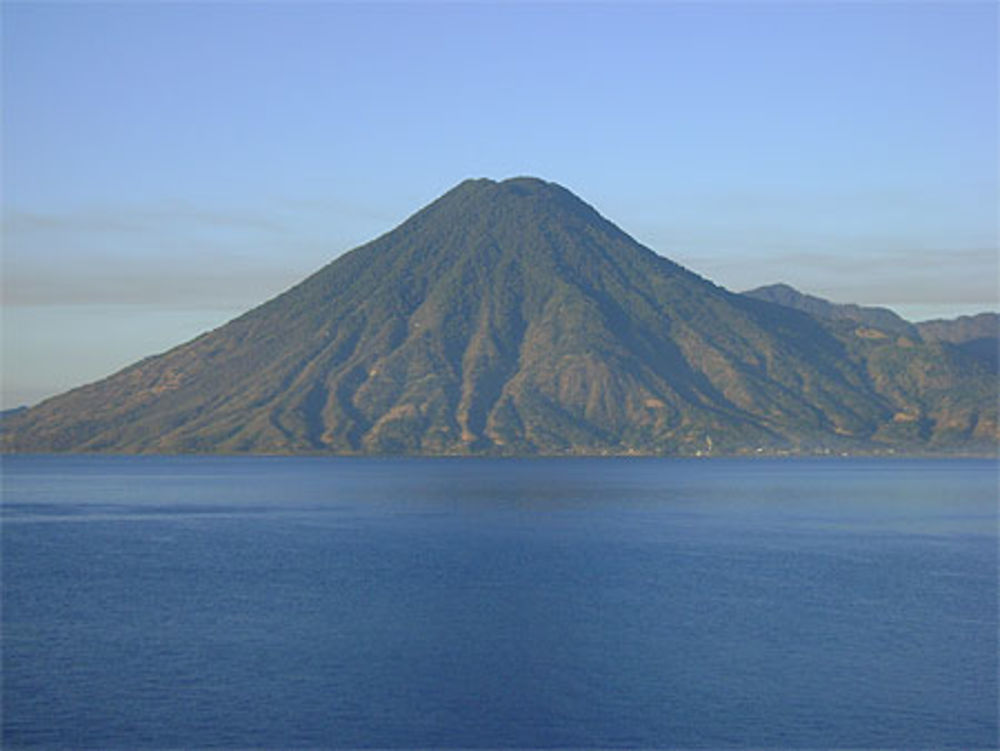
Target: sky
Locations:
point(169, 165)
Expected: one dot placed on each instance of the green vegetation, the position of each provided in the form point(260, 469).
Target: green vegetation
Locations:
point(510, 318)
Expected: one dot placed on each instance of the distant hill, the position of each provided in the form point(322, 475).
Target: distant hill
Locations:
point(880, 318)
point(511, 318)
point(977, 336)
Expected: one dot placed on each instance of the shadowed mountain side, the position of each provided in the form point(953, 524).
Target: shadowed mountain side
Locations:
point(512, 318)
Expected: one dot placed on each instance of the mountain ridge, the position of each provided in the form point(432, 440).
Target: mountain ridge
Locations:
point(977, 335)
point(882, 318)
point(512, 318)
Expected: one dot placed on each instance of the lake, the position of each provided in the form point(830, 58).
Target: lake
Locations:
point(206, 602)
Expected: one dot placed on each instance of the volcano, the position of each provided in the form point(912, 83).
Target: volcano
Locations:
point(511, 318)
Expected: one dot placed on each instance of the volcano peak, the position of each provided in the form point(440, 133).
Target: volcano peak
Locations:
point(510, 317)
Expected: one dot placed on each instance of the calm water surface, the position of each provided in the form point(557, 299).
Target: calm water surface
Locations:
point(281, 603)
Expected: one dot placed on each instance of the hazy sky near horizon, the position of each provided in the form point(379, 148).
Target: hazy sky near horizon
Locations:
point(167, 166)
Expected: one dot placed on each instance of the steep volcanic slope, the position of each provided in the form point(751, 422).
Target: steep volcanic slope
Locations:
point(505, 318)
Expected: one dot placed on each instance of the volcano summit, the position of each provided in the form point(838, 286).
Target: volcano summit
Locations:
point(511, 318)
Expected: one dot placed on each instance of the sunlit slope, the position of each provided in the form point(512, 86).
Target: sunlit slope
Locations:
point(512, 318)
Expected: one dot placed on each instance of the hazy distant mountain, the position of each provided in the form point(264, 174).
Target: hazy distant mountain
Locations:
point(512, 318)
point(977, 336)
point(961, 329)
point(880, 318)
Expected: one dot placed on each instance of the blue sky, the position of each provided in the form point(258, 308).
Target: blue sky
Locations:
point(168, 165)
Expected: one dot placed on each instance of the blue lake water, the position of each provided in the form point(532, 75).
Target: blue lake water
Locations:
point(304, 602)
